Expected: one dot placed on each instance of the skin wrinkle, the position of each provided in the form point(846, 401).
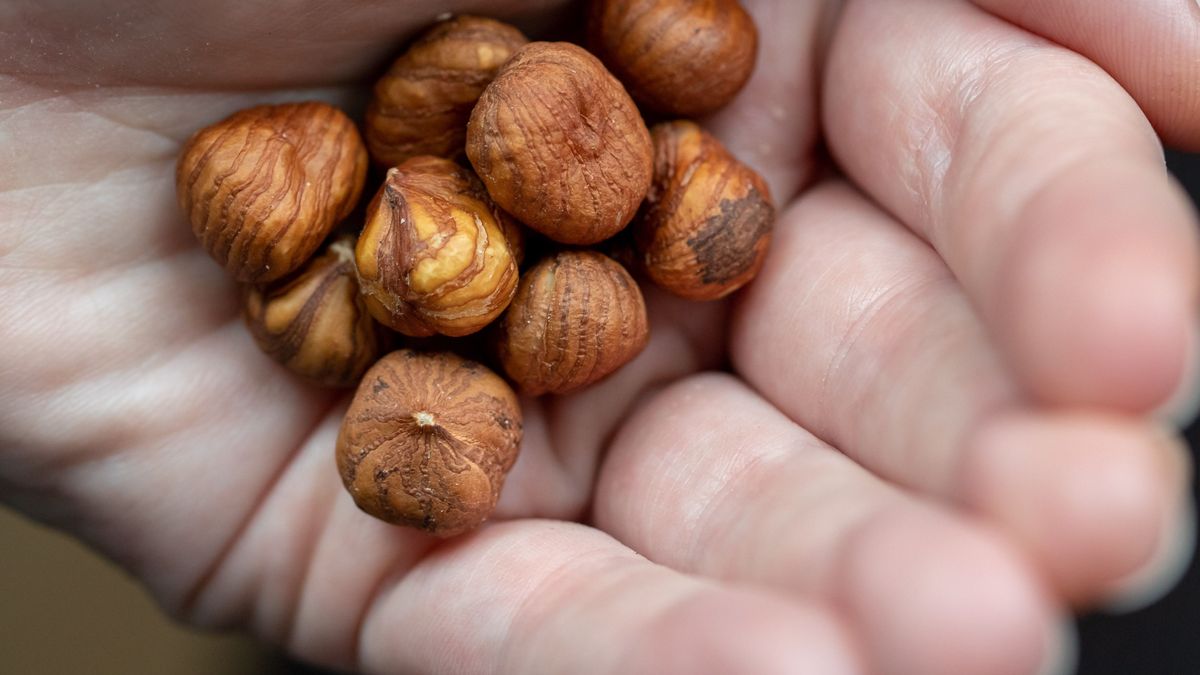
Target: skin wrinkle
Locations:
point(78, 373)
point(192, 596)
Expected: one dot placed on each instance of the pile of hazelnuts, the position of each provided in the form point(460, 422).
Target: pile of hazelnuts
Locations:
point(505, 161)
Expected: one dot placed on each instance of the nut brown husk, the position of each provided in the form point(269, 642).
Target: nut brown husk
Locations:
point(428, 441)
point(707, 221)
point(434, 256)
point(682, 58)
point(421, 106)
point(560, 145)
point(315, 322)
point(578, 317)
point(264, 187)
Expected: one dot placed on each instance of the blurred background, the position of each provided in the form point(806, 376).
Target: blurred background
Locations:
point(64, 610)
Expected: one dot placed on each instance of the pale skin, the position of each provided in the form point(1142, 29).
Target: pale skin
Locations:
point(983, 311)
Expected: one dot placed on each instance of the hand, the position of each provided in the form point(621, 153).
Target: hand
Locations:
point(932, 445)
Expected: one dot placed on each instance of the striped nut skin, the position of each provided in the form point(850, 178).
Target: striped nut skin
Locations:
point(315, 322)
point(560, 145)
point(428, 441)
point(264, 187)
point(421, 106)
point(677, 57)
point(433, 256)
point(706, 225)
point(578, 316)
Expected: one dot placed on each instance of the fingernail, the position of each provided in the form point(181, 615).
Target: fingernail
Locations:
point(1165, 568)
point(1183, 406)
point(1062, 654)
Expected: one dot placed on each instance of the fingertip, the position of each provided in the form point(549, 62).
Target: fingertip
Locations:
point(1169, 562)
point(1090, 496)
point(936, 597)
point(1099, 298)
point(1181, 408)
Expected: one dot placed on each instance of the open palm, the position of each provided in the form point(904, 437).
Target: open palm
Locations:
point(930, 446)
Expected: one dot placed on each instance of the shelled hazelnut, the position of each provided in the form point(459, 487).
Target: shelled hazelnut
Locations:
point(433, 257)
point(578, 316)
point(707, 221)
point(265, 186)
point(560, 145)
point(421, 106)
point(315, 322)
point(428, 441)
point(681, 58)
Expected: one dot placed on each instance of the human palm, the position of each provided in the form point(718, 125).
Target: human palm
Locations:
point(931, 443)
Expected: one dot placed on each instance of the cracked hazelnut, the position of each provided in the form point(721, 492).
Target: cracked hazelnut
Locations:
point(578, 316)
point(421, 106)
point(428, 441)
point(264, 187)
point(677, 57)
point(315, 322)
point(560, 145)
point(707, 221)
point(433, 256)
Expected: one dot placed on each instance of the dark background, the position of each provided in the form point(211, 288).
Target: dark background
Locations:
point(1163, 639)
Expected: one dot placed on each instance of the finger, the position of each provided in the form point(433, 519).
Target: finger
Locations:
point(855, 330)
point(772, 124)
point(1039, 182)
point(710, 478)
point(544, 597)
point(1103, 501)
point(1151, 47)
point(311, 572)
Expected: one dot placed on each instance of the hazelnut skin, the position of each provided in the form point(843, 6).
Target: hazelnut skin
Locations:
point(560, 145)
point(315, 322)
point(428, 441)
point(264, 187)
point(421, 106)
point(433, 256)
point(681, 58)
point(706, 224)
point(578, 316)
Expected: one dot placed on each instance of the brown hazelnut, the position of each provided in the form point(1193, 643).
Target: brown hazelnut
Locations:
point(315, 322)
point(578, 316)
point(560, 145)
point(264, 187)
point(421, 106)
point(677, 57)
point(428, 441)
point(707, 221)
point(433, 256)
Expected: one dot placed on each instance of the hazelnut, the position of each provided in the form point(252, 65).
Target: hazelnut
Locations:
point(560, 145)
point(578, 316)
point(433, 256)
point(707, 220)
point(421, 106)
point(264, 187)
point(677, 57)
point(428, 441)
point(315, 322)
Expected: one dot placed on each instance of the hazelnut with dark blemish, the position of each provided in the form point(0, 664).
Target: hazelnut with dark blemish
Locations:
point(705, 226)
